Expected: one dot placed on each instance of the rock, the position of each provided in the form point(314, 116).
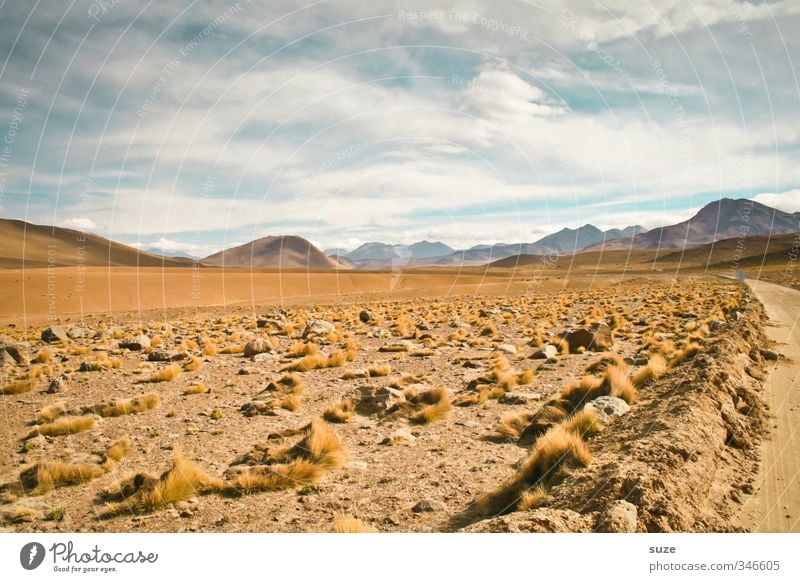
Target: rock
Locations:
point(715, 325)
point(540, 520)
point(54, 333)
point(429, 506)
point(377, 400)
point(257, 346)
point(519, 397)
point(506, 349)
point(359, 373)
point(457, 323)
point(596, 337)
point(158, 356)
point(261, 323)
point(548, 352)
point(178, 357)
point(607, 407)
point(318, 327)
point(402, 435)
point(36, 442)
point(246, 371)
point(367, 316)
point(136, 344)
point(262, 357)
point(6, 359)
point(769, 354)
point(57, 384)
point(15, 352)
point(78, 332)
point(619, 517)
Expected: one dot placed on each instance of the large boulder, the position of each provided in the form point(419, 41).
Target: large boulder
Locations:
point(367, 316)
point(607, 408)
point(54, 333)
point(78, 332)
point(376, 399)
point(548, 352)
point(318, 327)
point(257, 346)
point(597, 337)
point(135, 344)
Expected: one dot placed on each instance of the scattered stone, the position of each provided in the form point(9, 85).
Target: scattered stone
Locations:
point(402, 435)
point(57, 384)
point(769, 354)
point(506, 349)
point(318, 327)
point(257, 346)
point(158, 356)
point(619, 517)
point(15, 352)
point(519, 397)
point(607, 407)
point(367, 316)
point(429, 506)
point(377, 400)
point(596, 337)
point(548, 352)
point(54, 333)
point(136, 344)
point(78, 332)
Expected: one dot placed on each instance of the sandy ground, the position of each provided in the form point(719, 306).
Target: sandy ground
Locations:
point(775, 507)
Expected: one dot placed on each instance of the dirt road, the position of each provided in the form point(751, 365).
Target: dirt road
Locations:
point(775, 506)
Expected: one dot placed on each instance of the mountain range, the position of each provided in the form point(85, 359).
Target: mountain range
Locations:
point(723, 219)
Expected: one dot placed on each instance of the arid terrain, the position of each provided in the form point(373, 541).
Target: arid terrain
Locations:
point(421, 401)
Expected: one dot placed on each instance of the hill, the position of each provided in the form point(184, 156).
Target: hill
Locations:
point(273, 252)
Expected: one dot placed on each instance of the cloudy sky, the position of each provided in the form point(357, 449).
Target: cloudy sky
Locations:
point(198, 125)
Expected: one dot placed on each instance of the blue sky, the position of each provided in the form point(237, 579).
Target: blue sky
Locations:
point(198, 125)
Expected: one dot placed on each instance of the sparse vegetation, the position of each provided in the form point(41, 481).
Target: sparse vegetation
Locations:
point(126, 406)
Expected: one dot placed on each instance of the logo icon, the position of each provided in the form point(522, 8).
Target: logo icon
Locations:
point(31, 555)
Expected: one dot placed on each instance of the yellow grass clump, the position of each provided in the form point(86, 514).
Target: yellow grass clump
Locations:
point(378, 371)
point(583, 423)
point(335, 360)
point(198, 388)
point(18, 387)
point(65, 425)
point(43, 356)
point(193, 364)
point(348, 524)
point(165, 375)
point(51, 412)
point(300, 349)
point(532, 498)
point(126, 406)
point(655, 368)
point(340, 412)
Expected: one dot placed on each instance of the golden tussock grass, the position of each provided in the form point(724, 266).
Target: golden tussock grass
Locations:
point(378, 371)
point(290, 403)
point(210, 348)
point(340, 412)
point(532, 498)
point(81, 350)
point(316, 362)
point(563, 347)
point(603, 361)
point(164, 375)
point(684, 354)
point(554, 451)
point(183, 480)
point(51, 412)
point(18, 387)
point(274, 477)
point(118, 450)
point(193, 364)
point(617, 383)
point(583, 423)
point(43, 356)
point(655, 368)
point(233, 349)
point(48, 475)
point(349, 524)
point(300, 349)
point(429, 405)
point(64, 425)
point(126, 406)
point(489, 330)
point(511, 426)
point(198, 388)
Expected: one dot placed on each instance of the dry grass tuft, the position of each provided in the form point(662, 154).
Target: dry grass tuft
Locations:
point(193, 364)
point(64, 425)
point(379, 371)
point(532, 498)
point(335, 360)
point(126, 406)
point(348, 524)
point(300, 349)
point(617, 383)
point(43, 356)
point(18, 387)
point(340, 412)
point(118, 450)
point(583, 423)
point(48, 475)
point(198, 388)
point(655, 368)
point(165, 375)
point(51, 412)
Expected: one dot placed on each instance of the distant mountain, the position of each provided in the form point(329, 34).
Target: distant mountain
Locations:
point(336, 252)
point(569, 241)
point(274, 252)
point(377, 251)
point(171, 254)
point(64, 247)
point(721, 219)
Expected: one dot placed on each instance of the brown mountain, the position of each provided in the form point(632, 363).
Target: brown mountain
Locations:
point(64, 247)
point(274, 252)
point(723, 219)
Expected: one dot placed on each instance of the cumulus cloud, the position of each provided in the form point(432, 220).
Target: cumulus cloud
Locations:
point(788, 201)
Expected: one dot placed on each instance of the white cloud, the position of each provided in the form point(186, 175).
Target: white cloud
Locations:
point(786, 201)
point(84, 224)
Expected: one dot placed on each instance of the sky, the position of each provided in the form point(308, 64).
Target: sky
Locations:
point(195, 126)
